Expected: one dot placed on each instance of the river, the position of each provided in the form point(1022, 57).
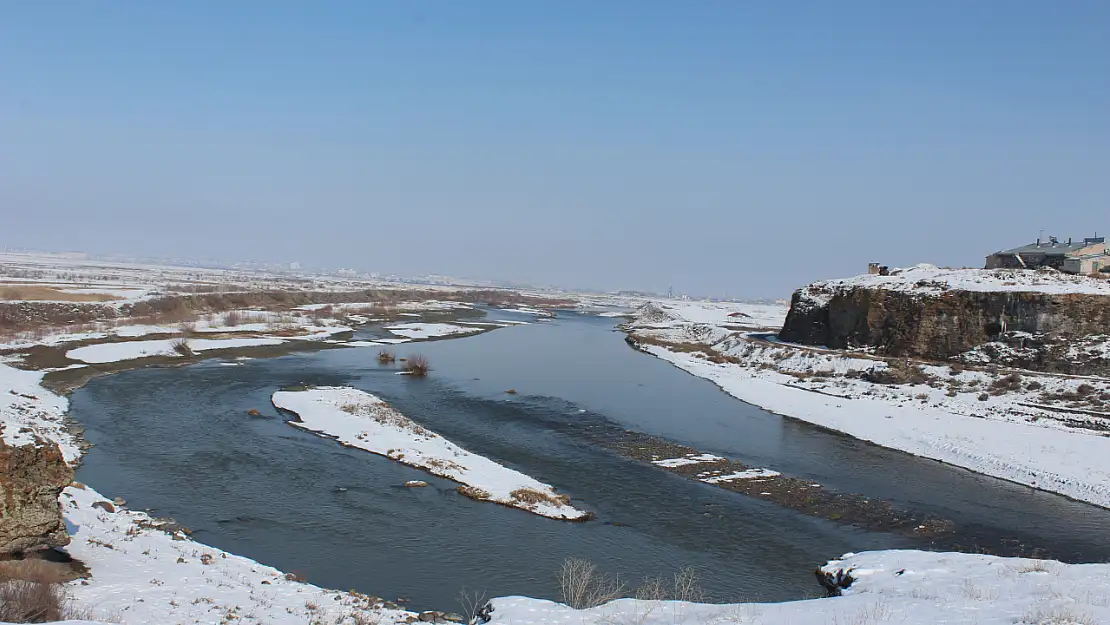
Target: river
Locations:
point(179, 442)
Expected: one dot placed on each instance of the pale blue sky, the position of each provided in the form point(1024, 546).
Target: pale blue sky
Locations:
point(718, 146)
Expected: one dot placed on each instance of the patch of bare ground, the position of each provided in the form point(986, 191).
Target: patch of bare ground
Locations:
point(36, 292)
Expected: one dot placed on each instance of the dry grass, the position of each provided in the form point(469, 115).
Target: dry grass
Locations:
point(417, 365)
point(532, 497)
point(38, 292)
point(386, 357)
point(473, 492)
point(31, 591)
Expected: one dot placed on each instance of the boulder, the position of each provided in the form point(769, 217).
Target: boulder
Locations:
point(31, 478)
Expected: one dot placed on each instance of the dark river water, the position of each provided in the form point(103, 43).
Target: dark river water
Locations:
point(179, 443)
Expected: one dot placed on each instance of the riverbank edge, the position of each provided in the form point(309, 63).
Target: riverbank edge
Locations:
point(742, 387)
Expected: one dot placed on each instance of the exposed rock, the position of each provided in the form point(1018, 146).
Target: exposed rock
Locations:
point(119, 501)
point(903, 316)
point(415, 484)
point(105, 506)
point(31, 478)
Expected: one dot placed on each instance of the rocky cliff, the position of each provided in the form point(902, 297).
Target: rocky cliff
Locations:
point(941, 314)
point(31, 478)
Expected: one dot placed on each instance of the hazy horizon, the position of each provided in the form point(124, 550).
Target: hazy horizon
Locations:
point(716, 147)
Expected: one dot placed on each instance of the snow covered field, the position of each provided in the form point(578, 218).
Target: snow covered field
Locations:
point(995, 424)
point(358, 419)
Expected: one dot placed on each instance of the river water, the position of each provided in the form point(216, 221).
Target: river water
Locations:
point(179, 442)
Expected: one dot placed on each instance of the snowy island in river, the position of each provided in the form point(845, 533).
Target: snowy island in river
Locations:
point(358, 419)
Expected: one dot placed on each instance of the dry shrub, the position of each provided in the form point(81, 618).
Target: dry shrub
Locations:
point(417, 365)
point(583, 586)
point(1003, 385)
point(1084, 389)
point(386, 357)
point(473, 492)
point(232, 318)
point(32, 592)
point(532, 497)
point(181, 347)
point(1033, 386)
point(898, 372)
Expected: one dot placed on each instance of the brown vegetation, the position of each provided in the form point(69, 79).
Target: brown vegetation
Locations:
point(473, 492)
point(181, 347)
point(386, 357)
point(39, 292)
point(417, 365)
point(32, 591)
point(532, 497)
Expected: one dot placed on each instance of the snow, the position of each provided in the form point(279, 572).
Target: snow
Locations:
point(28, 410)
point(359, 419)
point(750, 474)
point(141, 574)
point(429, 330)
point(721, 313)
point(129, 350)
point(929, 279)
point(671, 463)
point(897, 586)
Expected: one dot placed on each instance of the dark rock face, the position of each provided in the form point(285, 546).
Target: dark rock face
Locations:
point(940, 325)
point(31, 478)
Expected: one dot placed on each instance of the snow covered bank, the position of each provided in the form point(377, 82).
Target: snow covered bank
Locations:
point(130, 350)
point(358, 419)
point(146, 572)
point(995, 424)
point(905, 587)
point(429, 330)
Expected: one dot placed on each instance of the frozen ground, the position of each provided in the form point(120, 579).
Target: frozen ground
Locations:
point(358, 419)
point(1022, 427)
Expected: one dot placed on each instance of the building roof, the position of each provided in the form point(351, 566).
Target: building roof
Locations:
point(1053, 247)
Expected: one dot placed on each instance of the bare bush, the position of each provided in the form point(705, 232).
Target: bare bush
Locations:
point(583, 586)
point(181, 347)
point(417, 365)
point(232, 318)
point(386, 357)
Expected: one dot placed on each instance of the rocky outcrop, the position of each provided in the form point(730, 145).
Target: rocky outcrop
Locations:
point(941, 323)
point(31, 478)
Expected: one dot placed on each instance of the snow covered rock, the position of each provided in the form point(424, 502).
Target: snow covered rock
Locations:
point(939, 314)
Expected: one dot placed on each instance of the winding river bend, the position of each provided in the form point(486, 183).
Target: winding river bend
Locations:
point(180, 443)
